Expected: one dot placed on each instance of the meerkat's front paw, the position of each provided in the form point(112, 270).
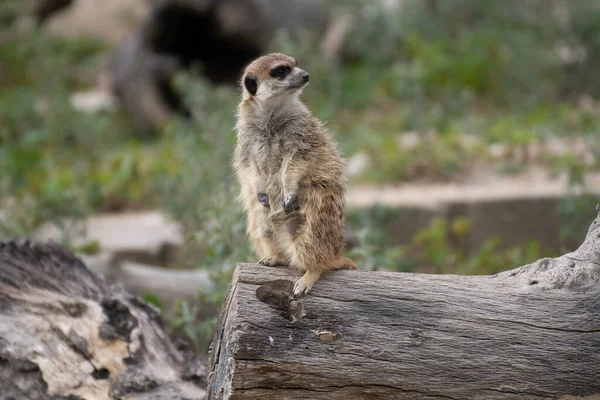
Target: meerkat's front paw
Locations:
point(263, 199)
point(290, 203)
point(270, 262)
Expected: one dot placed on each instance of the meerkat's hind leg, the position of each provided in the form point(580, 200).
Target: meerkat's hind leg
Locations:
point(308, 280)
point(268, 252)
point(304, 284)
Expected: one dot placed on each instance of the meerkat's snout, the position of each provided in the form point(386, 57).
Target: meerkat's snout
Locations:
point(297, 79)
point(304, 77)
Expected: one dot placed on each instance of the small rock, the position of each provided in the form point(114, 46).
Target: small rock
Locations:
point(498, 150)
point(92, 101)
point(409, 140)
point(391, 5)
point(357, 164)
point(469, 142)
point(556, 147)
point(570, 54)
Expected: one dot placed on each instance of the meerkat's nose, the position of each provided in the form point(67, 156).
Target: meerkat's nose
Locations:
point(305, 77)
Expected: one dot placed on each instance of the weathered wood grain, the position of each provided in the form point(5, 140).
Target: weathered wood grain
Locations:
point(529, 333)
point(64, 334)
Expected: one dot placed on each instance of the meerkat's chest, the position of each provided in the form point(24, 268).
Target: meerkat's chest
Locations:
point(267, 154)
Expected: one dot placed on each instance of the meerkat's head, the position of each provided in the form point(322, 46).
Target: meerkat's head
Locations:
point(274, 77)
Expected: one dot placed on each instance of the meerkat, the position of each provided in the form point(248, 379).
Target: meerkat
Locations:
point(290, 172)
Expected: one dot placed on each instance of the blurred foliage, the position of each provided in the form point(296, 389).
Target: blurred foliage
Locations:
point(198, 332)
point(435, 248)
point(10, 11)
point(432, 251)
point(58, 162)
point(574, 213)
point(461, 78)
point(503, 72)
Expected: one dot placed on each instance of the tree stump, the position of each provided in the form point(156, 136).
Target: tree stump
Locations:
point(64, 334)
point(529, 333)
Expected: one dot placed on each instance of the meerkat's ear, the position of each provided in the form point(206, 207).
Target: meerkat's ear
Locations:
point(251, 85)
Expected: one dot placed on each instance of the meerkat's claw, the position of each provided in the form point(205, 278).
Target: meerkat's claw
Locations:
point(263, 199)
point(290, 203)
point(300, 288)
point(270, 262)
point(304, 284)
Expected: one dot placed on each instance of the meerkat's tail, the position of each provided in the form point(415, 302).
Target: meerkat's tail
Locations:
point(346, 263)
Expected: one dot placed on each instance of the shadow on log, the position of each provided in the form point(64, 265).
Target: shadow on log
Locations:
point(64, 334)
point(529, 333)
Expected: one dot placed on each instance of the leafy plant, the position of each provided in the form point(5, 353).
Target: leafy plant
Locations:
point(432, 250)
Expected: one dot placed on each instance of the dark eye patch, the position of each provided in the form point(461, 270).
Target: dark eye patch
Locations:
point(280, 72)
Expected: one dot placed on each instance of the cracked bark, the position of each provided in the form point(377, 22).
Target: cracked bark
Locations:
point(528, 333)
point(65, 334)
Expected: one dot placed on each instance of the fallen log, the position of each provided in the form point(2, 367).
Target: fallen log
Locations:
point(169, 286)
point(529, 333)
point(65, 334)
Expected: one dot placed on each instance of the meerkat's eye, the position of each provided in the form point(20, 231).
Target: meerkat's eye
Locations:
point(280, 72)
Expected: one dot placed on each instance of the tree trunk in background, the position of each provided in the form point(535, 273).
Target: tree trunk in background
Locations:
point(64, 334)
point(221, 37)
point(529, 333)
point(45, 8)
point(157, 38)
